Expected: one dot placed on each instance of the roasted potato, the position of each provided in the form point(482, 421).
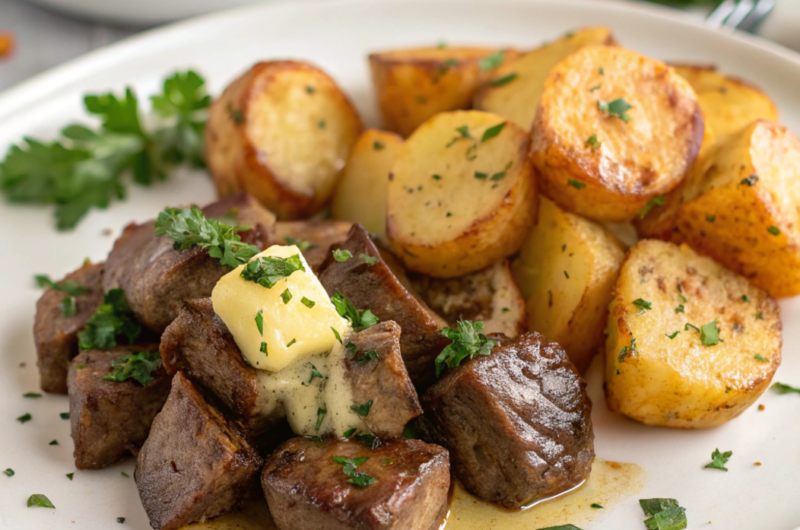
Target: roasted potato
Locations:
point(282, 132)
point(462, 194)
point(515, 88)
point(741, 206)
point(490, 296)
point(360, 196)
point(614, 130)
point(566, 270)
point(690, 343)
point(415, 84)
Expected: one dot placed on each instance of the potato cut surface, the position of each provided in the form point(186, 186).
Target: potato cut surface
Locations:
point(690, 344)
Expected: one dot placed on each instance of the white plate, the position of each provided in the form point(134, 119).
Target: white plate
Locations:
point(337, 35)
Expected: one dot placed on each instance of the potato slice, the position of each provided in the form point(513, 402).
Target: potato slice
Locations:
point(281, 132)
point(566, 270)
point(596, 156)
point(360, 196)
point(691, 344)
point(516, 87)
point(740, 205)
point(462, 194)
point(415, 84)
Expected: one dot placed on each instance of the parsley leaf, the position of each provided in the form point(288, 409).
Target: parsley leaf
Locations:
point(665, 514)
point(643, 305)
point(362, 409)
point(111, 322)
point(315, 374)
point(342, 255)
point(349, 465)
point(493, 131)
point(719, 459)
point(652, 203)
point(577, 184)
point(25, 418)
point(672, 335)
point(619, 108)
point(139, 366)
point(9, 472)
point(749, 181)
point(69, 287)
point(308, 303)
point(774, 230)
point(320, 417)
point(369, 260)
point(709, 334)
point(268, 270)
point(367, 356)
point(360, 318)
point(467, 341)
point(492, 61)
point(286, 296)
point(500, 81)
point(37, 499)
point(593, 142)
point(782, 388)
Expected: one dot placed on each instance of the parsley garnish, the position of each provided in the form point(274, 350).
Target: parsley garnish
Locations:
point(31, 395)
point(619, 108)
point(680, 309)
point(711, 218)
point(308, 303)
point(69, 287)
point(688, 325)
point(760, 316)
point(376, 145)
point(361, 319)
point(745, 298)
point(577, 184)
point(782, 388)
point(349, 432)
point(362, 409)
point(500, 81)
point(268, 270)
point(368, 439)
point(759, 357)
point(718, 460)
point(365, 357)
point(491, 61)
point(643, 305)
point(673, 334)
point(481, 176)
point(774, 230)
point(260, 321)
point(189, 228)
point(286, 296)
point(264, 349)
point(301, 244)
point(342, 255)
point(64, 415)
point(623, 353)
point(37, 499)
point(139, 366)
point(109, 323)
point(664, 514)
point(593, 142)
point(349, 465)
point(336, 334)
point(315, 374)
point(293, 341)
point(709, 334)
point(320, 417)
point(601, 71)
point(9, 472)
point(467, 342)
point(437, 177)
point(310, 89)
point(595, 506)
point(321, 124)
point(120, 520)
point(491, 132)
point(652, 203)
point(596, 87)
point(369, 260)
point(749, 181)
point(70, 475)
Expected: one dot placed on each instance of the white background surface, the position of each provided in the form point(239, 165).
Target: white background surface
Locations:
point(337, 36)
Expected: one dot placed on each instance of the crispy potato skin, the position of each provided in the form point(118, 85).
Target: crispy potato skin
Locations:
point(460, 223)
point(680, 382)
point(282, 132)
point(518, 99)
point(751, 229)
point(415, 84)
point(360, 196)
point(635, 161)
point(566, 271)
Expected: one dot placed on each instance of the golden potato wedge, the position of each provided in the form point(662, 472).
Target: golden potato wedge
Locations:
point(690, 343)
point(614, 130)
point(728, 104)
point(415, 84)
point(490, 296)
point(566, 270)
point(360, 195)
point(462, 194)
point(741, 206)
point(515, 88)
point(282, 132)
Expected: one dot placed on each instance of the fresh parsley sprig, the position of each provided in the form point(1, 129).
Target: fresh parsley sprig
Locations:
point(664, 514)
point(110, 323)
point(349, 465)
point(361, 319)
point(719, 459)
point(138, 365)
point(268, 270)
point(467, 342)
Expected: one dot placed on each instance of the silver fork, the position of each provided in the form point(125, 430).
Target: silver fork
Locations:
point(744, 15)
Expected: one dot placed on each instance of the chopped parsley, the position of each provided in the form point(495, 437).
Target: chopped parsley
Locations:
point(376, 145)
point(601, 71)
point(759, 316)
point(749, 181)
point(53, 442)
point(138, 365)
point(745, 298)
point(37, 499)
point(652, 203)
point(774, 230)
point(260, 321)
point(761, 358)
point(286, 296)
point(782, 388)
point(596, 87)
point(492, 61)
point(369, 260)
point(593, 142)
point(467, 342)
point(31, 395)
point(711, 218)
point(70, 288)
point(680, 309)
point(310, 89)
point(70, 475)
point(111, 322)
point(627, 350)
point(566, 275)
point(361, 319)
point(481, 176)
point(643, 305)
point(362, 409)
point(596, 506)
point(321, 124)
point(320, 417)
point(189, 228)
point(315, 374)
point(124, 474)
point(709, 334)
point(301, 244)
point(342, 255)
point(349, 465)
point(308, 303)
point(491, 132)
point(619, 108)
point(336, 334)
point(291, 342)
point(718, 460)
point(436, 177)
point(664, 514)
point(268, 270)
point(500, 81)
point(67, 306)
point(25, 418)
point(9, 472)
point(264, 349)
point(349, 432)
point(673, 334)
point(120, 520)
point(577, 184)
point(368, 439)
point(367, 356)
point(64, 415)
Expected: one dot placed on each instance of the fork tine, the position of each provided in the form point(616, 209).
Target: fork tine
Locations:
point(721, 13)
point(760, 11)
point(740, 13)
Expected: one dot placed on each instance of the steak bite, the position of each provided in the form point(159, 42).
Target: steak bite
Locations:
point(313, 237)
point(517, 422)
point(195, 464)
point(157, 279)
point(375, 287)
point(111, 419)
point(376, 372)
point(56, 334)
point(403, 484)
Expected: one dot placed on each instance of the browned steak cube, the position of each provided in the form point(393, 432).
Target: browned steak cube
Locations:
point(307, 489)
point(195, 464)
point(517, 423)
point(314, 238)
point(157, 279)
point(198, 343)
point(376, 372)
point(375, 287)
point(111, 419)
point(55, 334)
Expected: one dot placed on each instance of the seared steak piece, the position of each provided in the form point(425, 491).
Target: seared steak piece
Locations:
point(306, 489)
point(376, 288)
point(157, 278)
point(55, 334)
point(382, 377)
point(517, 423)
point(195, 464)
point(319, 235)
point(198, 343)
point(111, 419)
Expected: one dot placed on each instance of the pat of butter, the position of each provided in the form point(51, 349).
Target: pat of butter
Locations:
point(291, 330)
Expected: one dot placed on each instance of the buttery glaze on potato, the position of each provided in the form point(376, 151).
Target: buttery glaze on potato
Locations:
point(281, 132)
point(414, 84)
point(460, 201)
point(681, 382)
point(360, 196)
point(515, 88)
point(566, 270)
point(598, 165)
point(740, 206)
